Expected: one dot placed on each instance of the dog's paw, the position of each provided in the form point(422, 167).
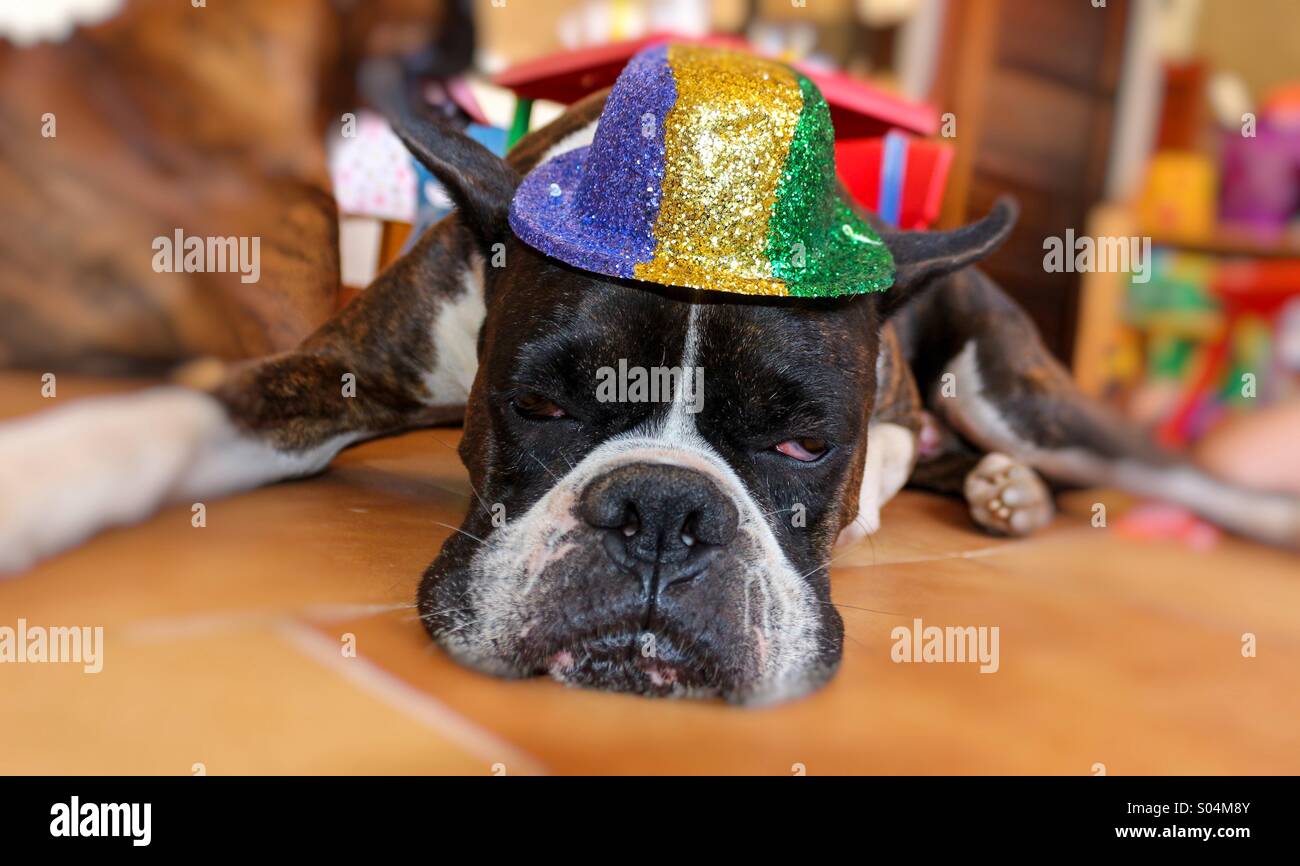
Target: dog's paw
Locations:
point(71, 471)
point(1007, 497)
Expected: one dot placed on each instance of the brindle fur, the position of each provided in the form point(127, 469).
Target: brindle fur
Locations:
point(210, 120)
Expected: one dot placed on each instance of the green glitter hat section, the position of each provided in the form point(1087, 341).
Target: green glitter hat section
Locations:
point(816, 243)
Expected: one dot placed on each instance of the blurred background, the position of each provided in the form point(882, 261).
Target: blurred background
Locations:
point(1173, 120)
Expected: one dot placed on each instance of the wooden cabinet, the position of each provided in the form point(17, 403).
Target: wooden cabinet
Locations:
point(1032, 86)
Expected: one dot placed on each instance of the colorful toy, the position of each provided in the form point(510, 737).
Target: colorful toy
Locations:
point(900, 178)
point(710, 169)
point(373, 173)
point(1261, 178)
point(858, 110)
point(1179, 197)
point(1261, 170)
point(1248, 289)
point(1158, 521)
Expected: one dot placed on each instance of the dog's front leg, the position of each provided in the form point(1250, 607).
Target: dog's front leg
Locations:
point(404, 354)
point(401, 355)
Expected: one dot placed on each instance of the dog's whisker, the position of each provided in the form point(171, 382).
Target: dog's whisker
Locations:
point(452, 631)
point(855, 640)
point(859, 607)
point(449, 609)
point(431, 615)
point(456, 605)
point(825, 565)
point(481, 501)
point(461, 531)
point(544, 466)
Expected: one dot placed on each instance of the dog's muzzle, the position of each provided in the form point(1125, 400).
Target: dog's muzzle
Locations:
point(661, 525)
point(647, 570)
point(636, 625)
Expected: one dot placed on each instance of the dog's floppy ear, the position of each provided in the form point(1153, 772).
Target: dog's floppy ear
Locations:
point(478, 181)
point(922, 256)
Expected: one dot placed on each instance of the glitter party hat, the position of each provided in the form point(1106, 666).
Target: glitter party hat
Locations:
point(709, 169)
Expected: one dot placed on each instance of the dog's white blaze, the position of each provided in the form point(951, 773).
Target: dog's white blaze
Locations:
point(70, 472)
point(505, 572)
point(680, 423)
point(787, 606)
point(891, 455)
point(455, 339)
point(1272, 518)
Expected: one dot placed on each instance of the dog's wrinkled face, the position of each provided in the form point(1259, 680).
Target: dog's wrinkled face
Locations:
point(659, 541)
point(659, 475)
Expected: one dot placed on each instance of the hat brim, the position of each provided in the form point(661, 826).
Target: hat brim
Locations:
point(544, 216)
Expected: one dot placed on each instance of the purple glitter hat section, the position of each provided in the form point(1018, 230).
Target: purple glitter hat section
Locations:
point(595, 208)
point(622, 186)
point(540, 216)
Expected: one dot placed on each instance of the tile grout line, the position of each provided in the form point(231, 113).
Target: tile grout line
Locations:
point(407, 699)
point(207, 624)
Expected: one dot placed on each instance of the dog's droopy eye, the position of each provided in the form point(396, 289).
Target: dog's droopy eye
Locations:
point(805, 450)
point(536, 406)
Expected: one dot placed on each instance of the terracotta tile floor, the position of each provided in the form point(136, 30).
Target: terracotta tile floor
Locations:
point(223, 648)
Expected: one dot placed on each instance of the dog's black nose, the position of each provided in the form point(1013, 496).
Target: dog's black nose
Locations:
point(663, 522)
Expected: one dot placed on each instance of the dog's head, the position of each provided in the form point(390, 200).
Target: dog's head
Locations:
point(659, 475)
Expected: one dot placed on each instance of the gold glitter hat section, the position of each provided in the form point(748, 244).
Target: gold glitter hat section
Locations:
point(709, 169)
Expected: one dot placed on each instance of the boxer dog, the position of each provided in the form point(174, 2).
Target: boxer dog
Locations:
point(630, 546)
